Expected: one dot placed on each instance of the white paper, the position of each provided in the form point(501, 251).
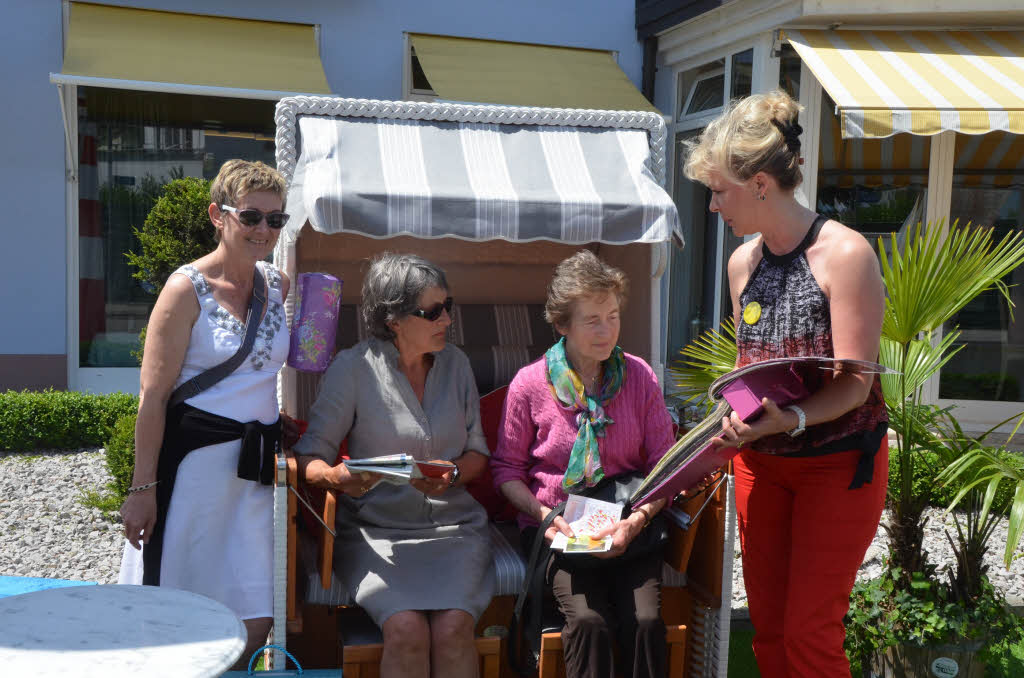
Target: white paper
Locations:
point(587, 517)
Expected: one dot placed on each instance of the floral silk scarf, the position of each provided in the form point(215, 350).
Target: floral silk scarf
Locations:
point(567, 387)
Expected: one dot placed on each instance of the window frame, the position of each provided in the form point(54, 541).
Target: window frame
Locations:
point(409, 93)
point(765, 72)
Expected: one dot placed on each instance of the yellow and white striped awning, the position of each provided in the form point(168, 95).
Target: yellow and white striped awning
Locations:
point(922, 82)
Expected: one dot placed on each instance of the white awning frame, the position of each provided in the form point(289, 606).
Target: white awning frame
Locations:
point(288, 109)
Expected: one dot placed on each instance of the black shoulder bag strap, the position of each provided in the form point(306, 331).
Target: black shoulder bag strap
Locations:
point(205, 380)
point(532, 587)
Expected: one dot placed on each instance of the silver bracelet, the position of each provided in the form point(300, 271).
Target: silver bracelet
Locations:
point(140, 488)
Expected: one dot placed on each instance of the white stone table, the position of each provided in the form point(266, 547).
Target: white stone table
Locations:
point(115, 630)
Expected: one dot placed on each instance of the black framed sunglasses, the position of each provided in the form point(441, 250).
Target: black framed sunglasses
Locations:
point(435, 311)
point(253, 217)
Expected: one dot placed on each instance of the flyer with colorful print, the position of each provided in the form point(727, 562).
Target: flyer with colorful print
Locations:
point(587, 517)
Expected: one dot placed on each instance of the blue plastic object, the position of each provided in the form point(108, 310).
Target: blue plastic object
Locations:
point(298, 671)
point(14, 586)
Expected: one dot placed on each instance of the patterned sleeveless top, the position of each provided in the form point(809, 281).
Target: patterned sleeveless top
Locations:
point(795, 321)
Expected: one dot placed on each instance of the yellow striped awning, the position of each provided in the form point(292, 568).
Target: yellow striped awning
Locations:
point(520, 74)
point(130, 48)
point(921, 82)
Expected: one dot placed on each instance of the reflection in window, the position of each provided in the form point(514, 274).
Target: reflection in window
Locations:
point(988, 190)
point(789, 71)
point(742, 76)
point(703, 90)
point(693, 268)
point(874, 186)
point(130, 145)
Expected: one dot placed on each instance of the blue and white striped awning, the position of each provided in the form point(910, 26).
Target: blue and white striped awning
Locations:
point(477, 180)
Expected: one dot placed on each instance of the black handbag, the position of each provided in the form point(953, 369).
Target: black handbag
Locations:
point(652, 539)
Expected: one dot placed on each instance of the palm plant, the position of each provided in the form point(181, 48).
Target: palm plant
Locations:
point(708, 357)
point(928, 280)
point(983, 469)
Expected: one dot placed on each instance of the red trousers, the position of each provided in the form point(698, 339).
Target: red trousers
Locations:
point(804, 535)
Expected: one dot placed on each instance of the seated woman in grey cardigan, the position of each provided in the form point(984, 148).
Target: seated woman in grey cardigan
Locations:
point(417, 556)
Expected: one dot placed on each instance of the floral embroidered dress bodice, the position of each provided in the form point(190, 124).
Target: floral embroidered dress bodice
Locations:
point(250, 391)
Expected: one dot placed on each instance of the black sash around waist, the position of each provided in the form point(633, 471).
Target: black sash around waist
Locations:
point(188, 428)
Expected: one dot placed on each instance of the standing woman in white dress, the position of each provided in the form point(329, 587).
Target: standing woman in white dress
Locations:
point(201, 501)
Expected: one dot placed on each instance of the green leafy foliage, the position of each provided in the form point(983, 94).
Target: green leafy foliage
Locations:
point(884, 612)
point(31, 420)
point(941, 495)
point(705, 359)
point(177, 230)
point(120, 450)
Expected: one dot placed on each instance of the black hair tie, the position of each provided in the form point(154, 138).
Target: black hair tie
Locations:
point(791, 134)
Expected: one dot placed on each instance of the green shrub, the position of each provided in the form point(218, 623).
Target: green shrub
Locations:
point(31, 420)
point(121, 455)
point(176, 231)
point(939, 495)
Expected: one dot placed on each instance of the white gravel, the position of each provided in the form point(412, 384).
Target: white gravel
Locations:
point(45, 531)
point(1011, 582)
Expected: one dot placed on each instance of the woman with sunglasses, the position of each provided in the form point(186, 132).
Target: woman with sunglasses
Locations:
point(586, 411)
point(206, 522)
point(415, 556)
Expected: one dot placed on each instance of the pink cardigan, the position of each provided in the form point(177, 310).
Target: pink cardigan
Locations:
point(537, 433)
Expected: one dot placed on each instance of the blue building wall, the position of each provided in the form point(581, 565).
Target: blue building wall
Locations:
point(32, 276)
point(362, 52)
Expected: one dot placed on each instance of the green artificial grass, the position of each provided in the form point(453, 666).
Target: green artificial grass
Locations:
point(741, 655)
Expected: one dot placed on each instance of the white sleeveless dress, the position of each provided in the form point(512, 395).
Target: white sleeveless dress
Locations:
point(218, 539)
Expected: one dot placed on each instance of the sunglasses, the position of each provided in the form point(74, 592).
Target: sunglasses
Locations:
point(253, 217)
point(435, 311)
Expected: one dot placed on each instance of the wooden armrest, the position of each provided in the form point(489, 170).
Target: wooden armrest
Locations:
point(680, 539)
point(327, 539)
point(704, 574)
point(292, 544)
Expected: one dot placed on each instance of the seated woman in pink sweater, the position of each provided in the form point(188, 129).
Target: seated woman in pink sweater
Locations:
point(586, 411)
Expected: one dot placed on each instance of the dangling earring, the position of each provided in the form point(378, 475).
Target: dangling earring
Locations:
point(762, 197)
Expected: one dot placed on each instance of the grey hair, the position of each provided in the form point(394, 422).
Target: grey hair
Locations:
point(392, 288)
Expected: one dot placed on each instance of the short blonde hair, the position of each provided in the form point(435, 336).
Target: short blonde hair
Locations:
point(756, 134)
point(581, 275)
point(238, 178)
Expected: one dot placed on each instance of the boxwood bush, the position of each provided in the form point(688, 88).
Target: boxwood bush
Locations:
point(31, 420)
point(120, 450)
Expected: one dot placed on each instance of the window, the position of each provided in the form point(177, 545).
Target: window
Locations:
point(988, 190)
point(875, 186)
point(742, 76)
point(789, 71)
point(419, 86)
point(704, 90)
point(131, 144)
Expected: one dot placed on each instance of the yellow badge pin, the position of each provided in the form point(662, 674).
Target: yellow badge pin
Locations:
point(752, 313)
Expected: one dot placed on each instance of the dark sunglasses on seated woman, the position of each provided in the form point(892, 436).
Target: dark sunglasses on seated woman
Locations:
point(435, 311)
point(253, 217)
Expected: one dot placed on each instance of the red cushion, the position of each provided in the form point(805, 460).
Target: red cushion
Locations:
point(482, 487)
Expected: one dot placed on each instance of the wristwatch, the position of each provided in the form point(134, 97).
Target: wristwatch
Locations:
point(801, 421)
point(455, 475)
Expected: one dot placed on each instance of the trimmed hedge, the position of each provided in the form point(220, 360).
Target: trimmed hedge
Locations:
point(31, 420)
point(120, 450)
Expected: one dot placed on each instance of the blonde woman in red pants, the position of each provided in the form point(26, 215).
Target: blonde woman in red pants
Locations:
point(810, 479)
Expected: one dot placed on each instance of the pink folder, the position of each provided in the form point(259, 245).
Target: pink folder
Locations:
point(739, 391)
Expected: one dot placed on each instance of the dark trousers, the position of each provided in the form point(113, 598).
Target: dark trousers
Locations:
point(618, 600)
